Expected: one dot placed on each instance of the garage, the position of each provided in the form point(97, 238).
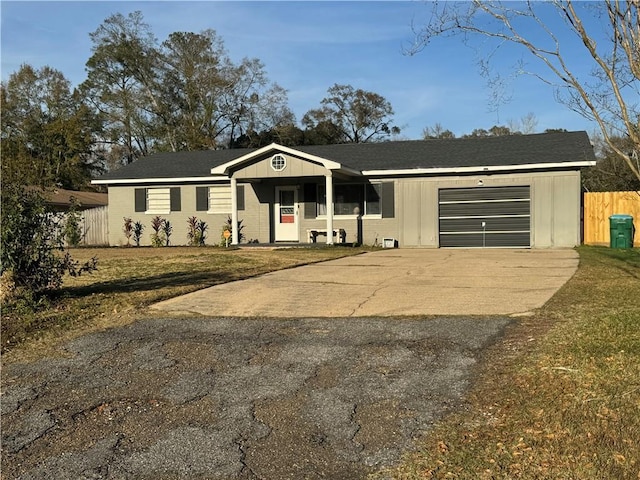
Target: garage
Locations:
point(484, 217)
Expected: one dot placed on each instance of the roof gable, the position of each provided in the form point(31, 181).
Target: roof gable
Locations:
point(224, 169)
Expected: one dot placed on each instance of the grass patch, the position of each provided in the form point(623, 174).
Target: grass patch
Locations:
point(560, 396)
point(130, 279)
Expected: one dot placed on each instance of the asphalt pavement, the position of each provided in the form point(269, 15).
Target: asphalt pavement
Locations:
point(231, 398)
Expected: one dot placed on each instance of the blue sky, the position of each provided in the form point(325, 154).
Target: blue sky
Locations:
point(306, 48)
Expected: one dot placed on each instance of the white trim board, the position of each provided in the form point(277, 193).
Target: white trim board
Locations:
point(129, 181)
point(481, 169)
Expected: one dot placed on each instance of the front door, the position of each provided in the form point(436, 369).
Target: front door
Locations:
point(286, 214)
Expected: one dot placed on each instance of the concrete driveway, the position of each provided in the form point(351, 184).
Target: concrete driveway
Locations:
point(394, 282)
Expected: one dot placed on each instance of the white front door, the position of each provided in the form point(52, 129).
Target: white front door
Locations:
point(286, 214)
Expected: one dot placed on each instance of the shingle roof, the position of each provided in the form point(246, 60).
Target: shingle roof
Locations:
point(461, 152)
point(176, 164)
point(546, 148)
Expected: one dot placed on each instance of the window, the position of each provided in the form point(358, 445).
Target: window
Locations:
point(220, 199)
point(348, 197)
point(217, 198)
point(278, 162)
point(157, 201)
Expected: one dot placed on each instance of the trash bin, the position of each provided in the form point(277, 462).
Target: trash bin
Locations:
point(621, 231)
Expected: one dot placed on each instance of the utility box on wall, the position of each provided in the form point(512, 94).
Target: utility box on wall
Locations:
point(389, 243)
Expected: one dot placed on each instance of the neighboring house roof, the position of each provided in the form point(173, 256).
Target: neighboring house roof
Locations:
point(61, 199)
point(514, 152)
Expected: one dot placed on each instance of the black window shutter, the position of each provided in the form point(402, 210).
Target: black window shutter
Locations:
point(240, 196)
point(202, 199)
point(388, 200)
point(310, 199)
point(175, 199)
point(140, 199)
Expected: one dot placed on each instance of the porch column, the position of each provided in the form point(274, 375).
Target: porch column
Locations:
point(329, 189)
point(234, 211)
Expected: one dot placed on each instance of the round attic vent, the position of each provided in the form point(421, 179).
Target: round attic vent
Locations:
point(278, 162)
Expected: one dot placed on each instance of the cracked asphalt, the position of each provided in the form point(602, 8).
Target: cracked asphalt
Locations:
point(231, 398)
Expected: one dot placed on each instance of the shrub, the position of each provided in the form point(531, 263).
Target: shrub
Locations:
point(167, 228)
point(128, 230)
point(202, 232)
point(157, 239)
point(138, 228)
point(72, 230)
point(192, 224)
point(32, 243)
point(197, 232)
point(229, 227)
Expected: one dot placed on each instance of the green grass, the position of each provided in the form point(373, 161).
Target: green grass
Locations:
point(130, 279)
point(559, 398)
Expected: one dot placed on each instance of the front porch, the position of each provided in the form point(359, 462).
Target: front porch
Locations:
point(298, 245)
point(286, 179)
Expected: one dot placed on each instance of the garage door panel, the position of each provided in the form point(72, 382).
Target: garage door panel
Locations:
point(475, 240)
point(485, 217)
point(484, 209)
point(490, 224)
point(484, 194)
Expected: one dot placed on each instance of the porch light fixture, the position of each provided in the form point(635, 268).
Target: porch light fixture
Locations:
point(278, 162)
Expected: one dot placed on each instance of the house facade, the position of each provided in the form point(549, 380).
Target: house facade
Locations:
point(515, 191)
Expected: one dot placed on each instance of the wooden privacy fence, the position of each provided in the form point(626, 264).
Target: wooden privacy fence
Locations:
point(95, 226)
point(599, 206)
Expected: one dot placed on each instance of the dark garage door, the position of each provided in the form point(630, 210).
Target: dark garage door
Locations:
point(485, 217)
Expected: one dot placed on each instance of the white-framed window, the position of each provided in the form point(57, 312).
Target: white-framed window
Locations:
point(220, 199)
point(349, 196)
point(278, 162)
point(158, 201)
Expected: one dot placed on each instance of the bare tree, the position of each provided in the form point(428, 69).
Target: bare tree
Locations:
point(609, 96)
point(527, 124)
point(436, 131)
